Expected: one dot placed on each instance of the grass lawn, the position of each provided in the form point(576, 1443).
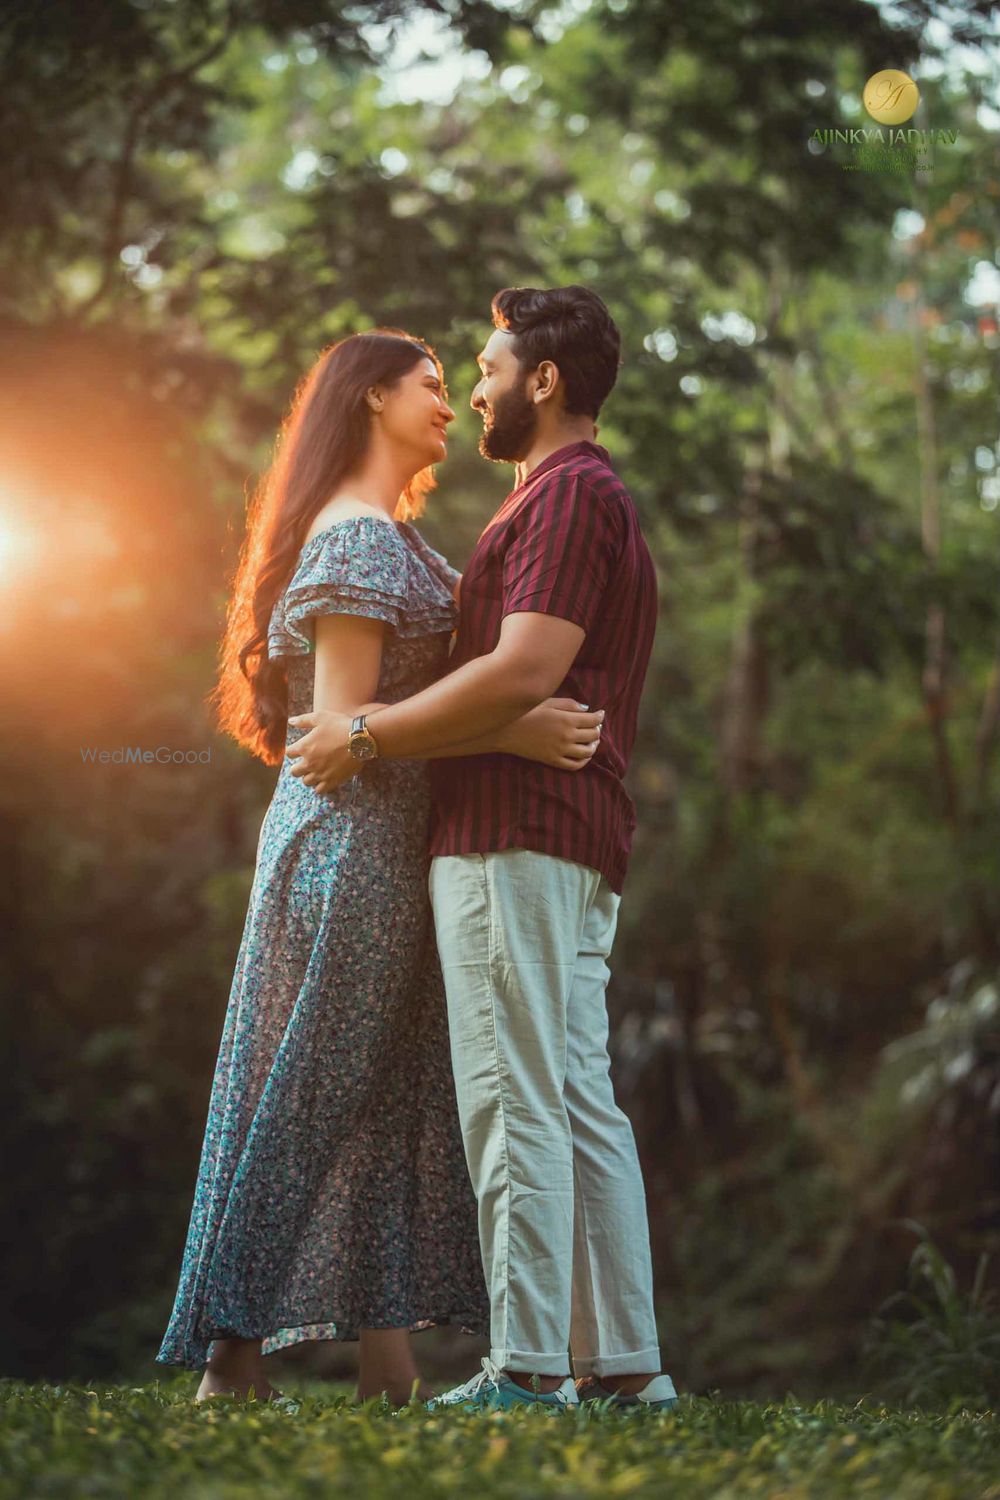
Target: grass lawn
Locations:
point(153, 1440)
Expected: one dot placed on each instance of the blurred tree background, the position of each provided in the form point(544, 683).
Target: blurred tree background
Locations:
point(198, 196)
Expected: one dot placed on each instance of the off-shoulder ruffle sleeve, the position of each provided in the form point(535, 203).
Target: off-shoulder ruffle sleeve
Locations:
point(361, 566)
point(356, 567)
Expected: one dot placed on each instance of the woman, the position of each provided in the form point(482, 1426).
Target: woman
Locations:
point(333, 1199)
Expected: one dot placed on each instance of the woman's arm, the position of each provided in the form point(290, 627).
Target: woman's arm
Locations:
point(348, 661)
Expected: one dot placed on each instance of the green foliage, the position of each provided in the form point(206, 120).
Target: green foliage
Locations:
point(935, 1344)
point(153, 1441)
point(946, 1069)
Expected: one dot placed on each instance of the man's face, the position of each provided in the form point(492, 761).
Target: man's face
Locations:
point(510, 417)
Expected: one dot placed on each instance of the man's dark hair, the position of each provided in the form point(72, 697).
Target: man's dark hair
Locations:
point(571, 326)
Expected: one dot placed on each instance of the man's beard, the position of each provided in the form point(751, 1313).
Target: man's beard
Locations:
point(508, 437)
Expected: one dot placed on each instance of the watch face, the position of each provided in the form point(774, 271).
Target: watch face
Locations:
point(361, 748)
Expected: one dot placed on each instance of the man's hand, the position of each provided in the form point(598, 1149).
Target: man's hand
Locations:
point(324, 761)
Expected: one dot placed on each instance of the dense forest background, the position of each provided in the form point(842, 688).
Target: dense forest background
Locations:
point(198, 195)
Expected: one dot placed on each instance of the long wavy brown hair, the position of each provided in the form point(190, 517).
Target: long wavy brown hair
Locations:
point(322, 439)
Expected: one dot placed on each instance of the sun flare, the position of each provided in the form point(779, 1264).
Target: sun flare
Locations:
point(17, 546)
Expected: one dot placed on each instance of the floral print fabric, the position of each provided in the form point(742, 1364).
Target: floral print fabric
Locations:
point(333, 1192)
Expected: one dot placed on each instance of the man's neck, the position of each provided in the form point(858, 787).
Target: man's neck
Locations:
point(544, 445)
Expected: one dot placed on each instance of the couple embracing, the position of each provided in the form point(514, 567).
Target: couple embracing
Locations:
point(412, 1086)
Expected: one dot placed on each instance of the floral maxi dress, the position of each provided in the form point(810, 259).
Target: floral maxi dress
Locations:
point(333, 1192)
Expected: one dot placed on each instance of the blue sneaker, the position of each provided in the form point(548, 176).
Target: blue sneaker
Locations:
point(657, 1395)
point(494, 1390)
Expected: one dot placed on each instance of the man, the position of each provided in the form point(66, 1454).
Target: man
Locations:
point(527, 867)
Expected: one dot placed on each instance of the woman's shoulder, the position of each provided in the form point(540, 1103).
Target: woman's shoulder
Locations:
point(345, 512)
point(359, 549)
point(360, 542)
point(354, 565)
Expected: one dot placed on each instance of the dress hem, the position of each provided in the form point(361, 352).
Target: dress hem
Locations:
point(306, 1333)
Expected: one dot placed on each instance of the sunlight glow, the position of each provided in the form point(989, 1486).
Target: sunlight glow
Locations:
point(18, 546)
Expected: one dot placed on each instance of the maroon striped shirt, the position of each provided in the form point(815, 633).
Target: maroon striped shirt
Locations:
point(567, 542)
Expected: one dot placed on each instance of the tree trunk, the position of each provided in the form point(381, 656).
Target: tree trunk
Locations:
point(935, 673)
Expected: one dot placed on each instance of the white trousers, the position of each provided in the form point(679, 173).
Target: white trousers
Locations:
point(524, 938)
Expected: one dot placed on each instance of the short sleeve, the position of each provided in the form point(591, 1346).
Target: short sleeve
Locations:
point(356, 567)
point(562, 556)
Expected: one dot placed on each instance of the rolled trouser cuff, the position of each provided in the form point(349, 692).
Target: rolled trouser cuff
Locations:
point(525, 1362)
point(636, 1363)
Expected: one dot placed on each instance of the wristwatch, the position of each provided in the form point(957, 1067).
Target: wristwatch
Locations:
point(360, 741)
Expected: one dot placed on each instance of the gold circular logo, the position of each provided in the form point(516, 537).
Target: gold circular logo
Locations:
point(890, 96)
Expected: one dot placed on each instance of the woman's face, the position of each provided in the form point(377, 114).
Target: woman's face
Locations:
point(415, 414)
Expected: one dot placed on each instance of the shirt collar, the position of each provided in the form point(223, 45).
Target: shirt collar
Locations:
point(561, 455)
